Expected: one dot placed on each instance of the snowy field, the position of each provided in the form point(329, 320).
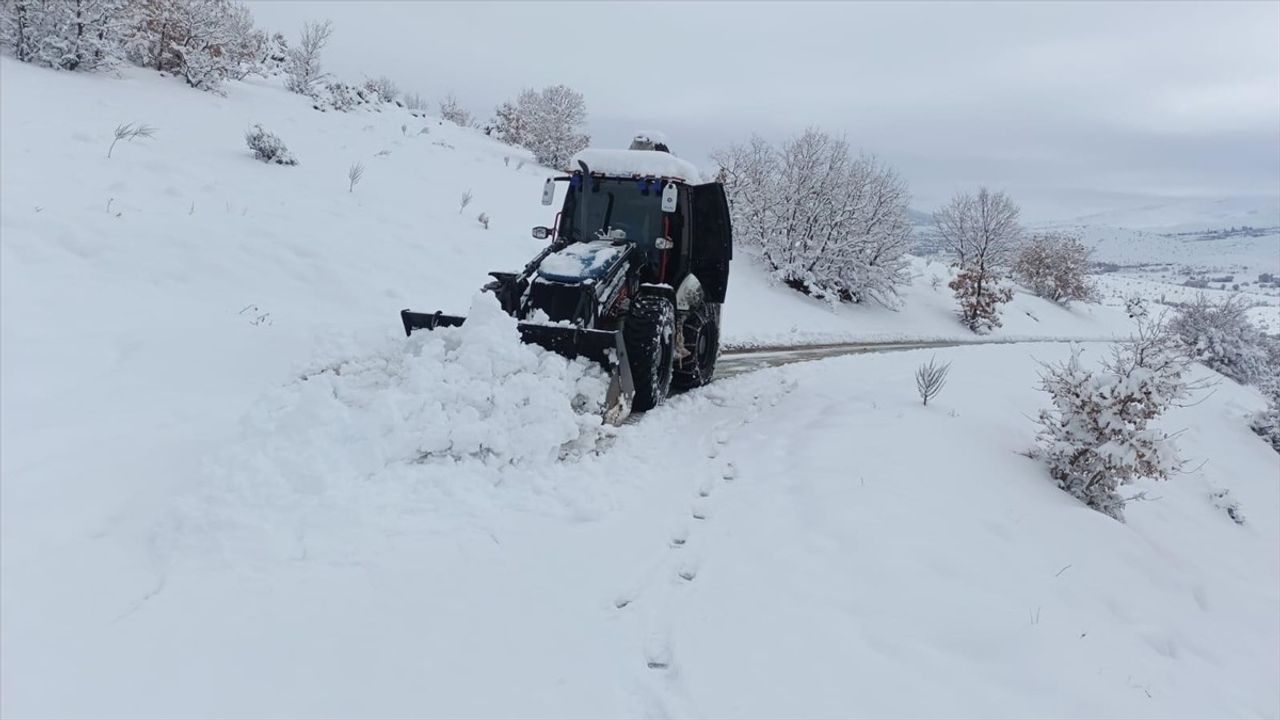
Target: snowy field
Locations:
point(232, 488)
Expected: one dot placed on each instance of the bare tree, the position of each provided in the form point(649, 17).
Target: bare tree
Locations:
point(303, 70)
point(354, 173)
point(982, 233)
point(414, 101)
point(130, 132)
point(466, 200)
point(930, 379)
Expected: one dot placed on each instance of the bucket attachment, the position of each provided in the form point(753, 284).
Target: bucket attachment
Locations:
point(603, 347)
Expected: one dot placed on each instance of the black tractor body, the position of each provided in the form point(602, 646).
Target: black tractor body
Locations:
point(633, 278)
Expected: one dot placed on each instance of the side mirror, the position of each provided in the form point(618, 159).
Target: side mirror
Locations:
point(663, 243)
point(669, 198)
point(549, 192)
point(542, 233)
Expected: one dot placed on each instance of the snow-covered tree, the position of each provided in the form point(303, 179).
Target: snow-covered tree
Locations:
point(1055, 266)
point(202, 41)
point(1099, 434)
point(982, 234)
point(247, 44)
point(63, 34)
point(828, 223)
point(555, 127)
point(1220, 335)
point(548, 122)
point(303, 73)
point(979, 298)
point(511, 118)
point(452, 110)
point(275, 55)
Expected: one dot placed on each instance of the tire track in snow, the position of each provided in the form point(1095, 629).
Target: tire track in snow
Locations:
point(739, 360)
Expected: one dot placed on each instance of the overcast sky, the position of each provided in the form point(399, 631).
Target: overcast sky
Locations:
point(1070, 107)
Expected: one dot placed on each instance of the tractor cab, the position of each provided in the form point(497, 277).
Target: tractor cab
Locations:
point(653, 202)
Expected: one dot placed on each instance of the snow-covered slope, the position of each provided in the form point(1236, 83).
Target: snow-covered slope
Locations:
point(229, 487)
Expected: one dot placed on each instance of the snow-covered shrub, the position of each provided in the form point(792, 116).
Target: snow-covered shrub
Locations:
point(339, 96)
point(1136, 307)
point(302, 70)
point(1220, 335)
point(1099, 434)
point(383, 87)
point(1223, 501)
point(414, 101)
point(452, 110)
point(981, 233)
point(548, 122)
point(483, 219)
point(978, 298)
point(1266, 423)
point(63, 34)
point(1055, 266)
point(268, 148)
point(827, 223)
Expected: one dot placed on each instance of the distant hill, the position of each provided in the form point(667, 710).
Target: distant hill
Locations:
point(919, 217)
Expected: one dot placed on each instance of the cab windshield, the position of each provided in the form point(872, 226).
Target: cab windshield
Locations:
point(632, 206)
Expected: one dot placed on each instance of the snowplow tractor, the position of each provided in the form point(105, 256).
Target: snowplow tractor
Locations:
point(633, 277)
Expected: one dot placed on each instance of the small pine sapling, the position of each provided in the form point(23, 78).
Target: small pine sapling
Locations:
point(354, 173)
point(930, 379)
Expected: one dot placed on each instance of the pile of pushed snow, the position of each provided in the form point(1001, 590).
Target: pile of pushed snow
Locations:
point(455, 394)
point(455, 406)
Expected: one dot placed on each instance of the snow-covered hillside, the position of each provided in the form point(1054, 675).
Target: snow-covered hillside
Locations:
point(230, 487)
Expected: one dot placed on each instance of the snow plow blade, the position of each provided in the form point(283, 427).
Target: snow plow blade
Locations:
point(603, 347)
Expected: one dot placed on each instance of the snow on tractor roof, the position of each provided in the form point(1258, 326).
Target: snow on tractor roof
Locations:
point(629, 163)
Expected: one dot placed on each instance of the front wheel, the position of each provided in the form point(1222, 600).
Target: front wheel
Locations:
point(701, 335)
point(649, 334)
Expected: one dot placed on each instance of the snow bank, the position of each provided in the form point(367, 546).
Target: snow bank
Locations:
point(649, 163)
